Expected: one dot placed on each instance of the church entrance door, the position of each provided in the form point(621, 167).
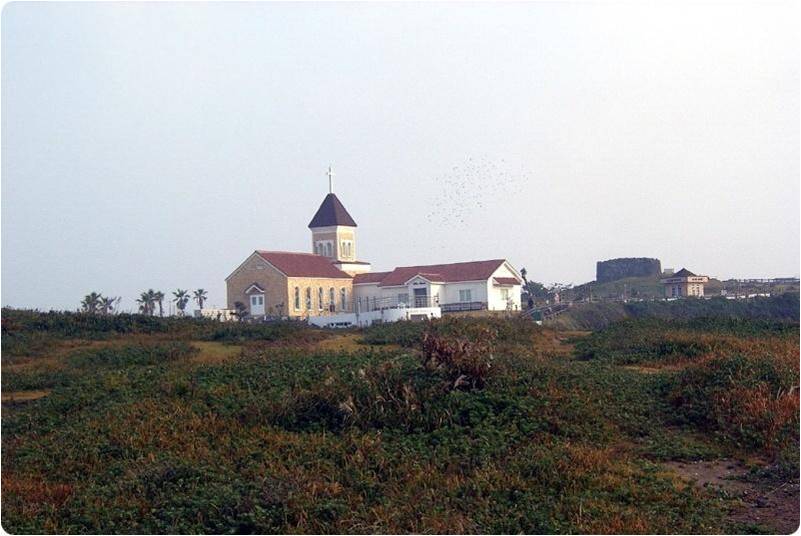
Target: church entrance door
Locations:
point(257, 304)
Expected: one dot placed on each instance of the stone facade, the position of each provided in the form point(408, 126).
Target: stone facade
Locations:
point(342, 240)
point(279, 291)
point(257, 270)
point(309, 290)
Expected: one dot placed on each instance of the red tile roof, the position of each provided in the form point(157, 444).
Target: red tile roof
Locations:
point(374, 277)
point(302, 264)
point(506, 280)
point(331, 212)
point(438, 273)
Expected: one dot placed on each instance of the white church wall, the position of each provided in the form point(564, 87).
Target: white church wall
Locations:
point(504, 270)
point(496, 302)
point(365, 292)
point(435, 292)
point(450, 291)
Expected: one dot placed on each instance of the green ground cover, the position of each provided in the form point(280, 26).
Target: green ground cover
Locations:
point(142, 434)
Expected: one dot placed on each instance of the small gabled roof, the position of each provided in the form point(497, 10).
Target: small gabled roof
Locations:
point(506, 281)
point(254, 287)
point(331, 212)
point(302, 264)
point(684, 272)
point(431, 277)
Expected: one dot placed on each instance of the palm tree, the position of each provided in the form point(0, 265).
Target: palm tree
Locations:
point(200, 297)
point(91, 302)
point(107, 304)
point(145, 303)
point(158, 297)
point(181, 298)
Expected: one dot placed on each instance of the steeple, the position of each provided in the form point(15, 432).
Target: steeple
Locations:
point(331, 212)
point(334, 232)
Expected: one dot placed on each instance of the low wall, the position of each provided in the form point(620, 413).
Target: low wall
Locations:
point(364, 319)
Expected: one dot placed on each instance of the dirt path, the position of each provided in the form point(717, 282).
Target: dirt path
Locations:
point(772, 506)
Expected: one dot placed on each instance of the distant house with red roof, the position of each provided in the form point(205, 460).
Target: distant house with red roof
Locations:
point(332, 282)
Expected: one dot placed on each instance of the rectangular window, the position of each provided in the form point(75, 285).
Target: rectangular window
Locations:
point(403, 298)
point(297, 298)
point(466, 295)
point(505, 294)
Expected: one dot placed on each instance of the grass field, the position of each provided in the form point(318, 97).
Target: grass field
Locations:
point(464, 425)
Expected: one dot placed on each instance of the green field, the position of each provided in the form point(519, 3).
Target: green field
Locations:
point(483, 425)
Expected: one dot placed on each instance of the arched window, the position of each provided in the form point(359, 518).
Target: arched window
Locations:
point(308, 298)
point(320, 298)
point(332, 303)
point(343, 299)
point(316, 248)
point(297, 298)
point(328, 250)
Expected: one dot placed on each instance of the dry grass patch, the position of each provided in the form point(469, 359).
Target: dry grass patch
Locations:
point(34, 495)
point(210, 353)
point(23, 396)
point(344, 342)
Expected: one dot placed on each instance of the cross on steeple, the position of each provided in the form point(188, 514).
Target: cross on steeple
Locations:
point(330, 180)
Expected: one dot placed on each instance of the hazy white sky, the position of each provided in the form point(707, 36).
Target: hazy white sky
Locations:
point(157, 145)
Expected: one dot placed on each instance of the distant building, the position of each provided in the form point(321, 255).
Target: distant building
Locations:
point(683, 284)
point(616, 269)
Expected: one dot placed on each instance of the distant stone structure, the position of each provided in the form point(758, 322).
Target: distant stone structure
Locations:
point(614, 269)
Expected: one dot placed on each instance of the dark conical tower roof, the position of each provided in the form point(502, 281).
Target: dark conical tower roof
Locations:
point(330, 213)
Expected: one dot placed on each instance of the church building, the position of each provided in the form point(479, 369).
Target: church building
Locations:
point(332, 281)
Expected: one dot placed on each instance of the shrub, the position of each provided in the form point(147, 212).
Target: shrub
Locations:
point(751, 400)
point(592, 316)
point(463, 351)
point(405, 333)
point(132, 355)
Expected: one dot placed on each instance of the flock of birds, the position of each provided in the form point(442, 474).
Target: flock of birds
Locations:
point(468, 190)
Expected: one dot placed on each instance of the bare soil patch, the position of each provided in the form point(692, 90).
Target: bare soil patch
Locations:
point(774, 506)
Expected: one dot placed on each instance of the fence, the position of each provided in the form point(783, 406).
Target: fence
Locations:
point(365, 304)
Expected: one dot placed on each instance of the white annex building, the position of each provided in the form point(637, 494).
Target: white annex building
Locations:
point(331, 287)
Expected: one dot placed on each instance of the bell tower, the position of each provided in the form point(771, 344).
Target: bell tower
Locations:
point(334, 233)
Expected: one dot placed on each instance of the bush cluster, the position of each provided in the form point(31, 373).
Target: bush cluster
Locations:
point(31, 332)
point(753, 400)
point(462, 351)
point(594, 316)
